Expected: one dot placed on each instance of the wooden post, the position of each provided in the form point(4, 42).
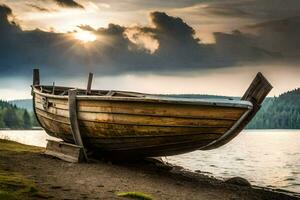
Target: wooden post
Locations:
point(53, 88)
point(74, 120)
point(258, 90)
point(89, 85)
point(36, 77)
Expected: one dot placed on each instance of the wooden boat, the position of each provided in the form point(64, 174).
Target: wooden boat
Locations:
point(130, 124)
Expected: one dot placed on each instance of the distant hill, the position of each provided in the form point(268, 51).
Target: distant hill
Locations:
point(281, 112)
point(23, 103)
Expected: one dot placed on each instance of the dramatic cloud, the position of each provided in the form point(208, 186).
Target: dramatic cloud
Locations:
point(280, 35)
point(68, 3)
point(208, 17)
point(255, 9)
point(38, 8)
point(168, 46)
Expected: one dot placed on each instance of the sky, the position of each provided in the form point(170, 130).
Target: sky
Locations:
point(152, 46)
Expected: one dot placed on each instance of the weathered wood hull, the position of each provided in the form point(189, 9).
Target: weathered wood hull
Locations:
point(139, 125)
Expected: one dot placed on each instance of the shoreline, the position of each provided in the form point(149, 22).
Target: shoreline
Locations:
point(57, 179)
point(22, 129)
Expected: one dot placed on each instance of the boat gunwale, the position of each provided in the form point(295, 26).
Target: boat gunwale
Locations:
point(148, 98)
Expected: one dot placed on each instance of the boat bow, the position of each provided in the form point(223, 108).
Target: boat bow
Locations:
point(256, 93)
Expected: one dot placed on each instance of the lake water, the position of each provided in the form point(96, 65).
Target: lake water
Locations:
point(268, 158)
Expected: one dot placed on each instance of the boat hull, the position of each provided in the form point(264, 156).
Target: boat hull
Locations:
point(137, 128)
point(128, 124)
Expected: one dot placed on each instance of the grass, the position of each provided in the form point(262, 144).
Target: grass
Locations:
point(135, 195)
point(7, 145)
point(14, 186)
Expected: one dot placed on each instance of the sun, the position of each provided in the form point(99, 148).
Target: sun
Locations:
point(85, 36)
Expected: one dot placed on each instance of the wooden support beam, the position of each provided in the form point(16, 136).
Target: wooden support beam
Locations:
point(74, 120)
point(89, 85)
point(36, 77)
point(65, 151)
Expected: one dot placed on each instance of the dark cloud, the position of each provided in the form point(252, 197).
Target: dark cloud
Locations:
point(240, 47)
point(5, 11)
point(120, 49)
point(5, 25)
point(86, 27)
point(138, 5)
point(69, 4)
point(280, 35)
point(260, 10)
point(226, 10)
point(38, 8)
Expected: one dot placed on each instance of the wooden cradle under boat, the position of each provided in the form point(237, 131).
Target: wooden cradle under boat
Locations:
point(130, 124)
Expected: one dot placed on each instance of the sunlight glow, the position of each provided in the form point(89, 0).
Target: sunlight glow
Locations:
point(85, 36)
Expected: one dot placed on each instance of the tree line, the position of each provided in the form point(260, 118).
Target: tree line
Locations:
point(15, 118)
point(281, 112)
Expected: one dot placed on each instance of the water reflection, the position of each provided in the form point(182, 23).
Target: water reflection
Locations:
point(264, 157)
point(31, 137)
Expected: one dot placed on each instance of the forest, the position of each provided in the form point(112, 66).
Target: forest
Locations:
point(12, 117)
point(282, 112)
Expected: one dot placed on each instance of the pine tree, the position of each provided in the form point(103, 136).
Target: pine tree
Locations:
point(26, 120)
point(34, 120)
point(11, 119)
point(2, 125)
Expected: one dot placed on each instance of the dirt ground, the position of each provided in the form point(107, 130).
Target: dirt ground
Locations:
point(56, 179)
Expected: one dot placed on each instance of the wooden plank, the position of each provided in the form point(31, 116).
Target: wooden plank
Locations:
point(65, 151)
point(111, 130)
point(55, 127)
point(74, 120)
point(108, 135)
point(161, 109)
point(124, 119)
point(136, 143)
point(146, 140)
point(146, 109)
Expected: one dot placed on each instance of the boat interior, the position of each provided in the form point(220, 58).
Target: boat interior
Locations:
point(63, 91)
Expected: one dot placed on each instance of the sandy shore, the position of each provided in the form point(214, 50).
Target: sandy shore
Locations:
point(43, 177)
